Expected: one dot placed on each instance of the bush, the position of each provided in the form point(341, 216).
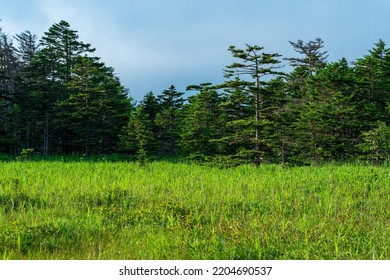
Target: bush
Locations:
point(376, 144)
point(25, 154)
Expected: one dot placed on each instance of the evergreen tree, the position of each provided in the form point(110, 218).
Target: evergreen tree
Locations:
point(63, 46)
point(43, 92)
point(28, 46)
point(168, 120)
point(82, 107)
point(96, 108)
point(237, 116)
point(116, 106)
point(278, 131)
point(9, 88)
point(373, 86)
point(376, 144)
point(313, 57)
point(152, 108)
point(202, 122)
point(327, 119)
point(138, 137)
point(257, 66)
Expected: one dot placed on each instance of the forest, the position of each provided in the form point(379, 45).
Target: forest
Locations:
point(57, 98)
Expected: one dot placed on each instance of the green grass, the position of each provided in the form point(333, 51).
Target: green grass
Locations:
point(117, 210)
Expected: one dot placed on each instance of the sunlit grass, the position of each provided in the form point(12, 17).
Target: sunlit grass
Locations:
point(102, 210)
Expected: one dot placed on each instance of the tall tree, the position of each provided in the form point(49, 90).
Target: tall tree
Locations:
point(202, 122)
point(237, 117)
point(373, 90)
point(63, 45)
point(115, 108)
point(51, 69)
point(9, 87)
point(257, 65)
point(138, 138)
point(151, 109)
point(28, 46)
point(168, 120)
point(82, 107)
point(43, 91)
point(96, 109)
point(313, 57)
point(327, 118)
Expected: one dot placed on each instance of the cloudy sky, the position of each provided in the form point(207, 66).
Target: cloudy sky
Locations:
point(153, 44)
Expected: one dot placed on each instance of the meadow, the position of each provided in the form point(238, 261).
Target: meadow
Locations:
point(121, 210)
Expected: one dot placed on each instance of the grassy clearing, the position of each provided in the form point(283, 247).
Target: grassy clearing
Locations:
point(101, 210)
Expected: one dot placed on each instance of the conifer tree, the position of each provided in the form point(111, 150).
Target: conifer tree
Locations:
point(9, 90)
point(373, 86)
point(63, 46)
point(138, 137)
point(151, 108)
point(168, 120)
point(327, 118)
point(28, 46)
point(202, 122)
point(313, 57)
point(257, 65)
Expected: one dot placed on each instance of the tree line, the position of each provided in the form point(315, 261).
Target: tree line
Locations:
point(57, 98)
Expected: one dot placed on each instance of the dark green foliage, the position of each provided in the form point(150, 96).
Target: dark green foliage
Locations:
point(313, 58)
point(373, 86)
point(168, 121)
point(202, 122)
point(55, 98)
point(327, 117)
point(256, 65)
point(139, 138)
point(376, 144)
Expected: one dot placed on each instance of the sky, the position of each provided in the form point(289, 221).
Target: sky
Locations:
point(153, 44)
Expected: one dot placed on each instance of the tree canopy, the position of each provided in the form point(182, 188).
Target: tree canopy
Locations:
point(56, 97)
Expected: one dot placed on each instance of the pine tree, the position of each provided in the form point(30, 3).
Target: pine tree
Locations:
point(327, 118)
point(138, 137)
point(96, 108)
point(63, 46)
point(9, 89)
point(43, 91)
point(313, 58)
point(278, 131)
point(202, 122)
point(152, 108)
point(115, 108)
point(373, 86)
point(256, 65)
point(237, 116)
point(82, 107)
point(168, 120)
point(28, 46)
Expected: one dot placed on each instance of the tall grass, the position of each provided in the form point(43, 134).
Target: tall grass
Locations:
point(102, 210)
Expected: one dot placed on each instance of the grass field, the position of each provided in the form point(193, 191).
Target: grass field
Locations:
point(103, 210)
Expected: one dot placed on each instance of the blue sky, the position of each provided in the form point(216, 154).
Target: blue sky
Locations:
point(153, 44)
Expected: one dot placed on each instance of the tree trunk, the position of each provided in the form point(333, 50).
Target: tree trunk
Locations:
point(46, 134)
point(257, 132)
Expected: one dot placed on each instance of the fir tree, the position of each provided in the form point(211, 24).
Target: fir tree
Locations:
point(202, 122)
point(168, 120)
point(257, 65)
